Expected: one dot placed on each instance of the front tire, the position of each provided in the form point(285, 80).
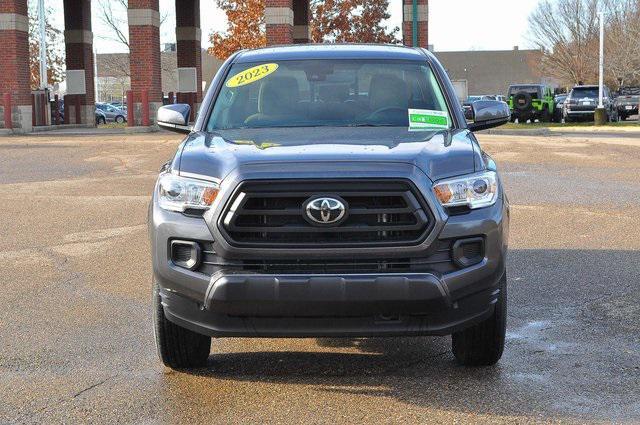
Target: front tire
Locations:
point(482, 344)
point(119, 119)
point(178, 347)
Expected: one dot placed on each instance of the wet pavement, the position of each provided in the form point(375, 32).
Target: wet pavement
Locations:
point(75, 325)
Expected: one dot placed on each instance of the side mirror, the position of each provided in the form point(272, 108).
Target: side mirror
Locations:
point(175, 118)
point(488, 114)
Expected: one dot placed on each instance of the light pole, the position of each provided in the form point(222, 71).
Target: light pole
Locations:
point(43, 46)
point(600, 115)
point(601, 62)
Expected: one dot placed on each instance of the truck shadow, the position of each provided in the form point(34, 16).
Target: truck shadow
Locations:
point(567, 311)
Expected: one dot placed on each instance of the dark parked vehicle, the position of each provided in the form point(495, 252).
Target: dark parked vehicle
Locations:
point(329, 191)
point(557, 111)
point(531, 102)
point(582, 102)
point(627, 101)
point(112, 113)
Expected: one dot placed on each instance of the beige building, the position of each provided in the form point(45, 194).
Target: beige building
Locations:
point(492, 71)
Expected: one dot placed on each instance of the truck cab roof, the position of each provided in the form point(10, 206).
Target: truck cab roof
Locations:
point(331, 51)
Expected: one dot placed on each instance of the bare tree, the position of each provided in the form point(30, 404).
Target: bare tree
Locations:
point(113, 14)
point(622, 42)
point(567, 33)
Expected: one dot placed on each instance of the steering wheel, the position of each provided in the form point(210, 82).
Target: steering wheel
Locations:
point(386, 110)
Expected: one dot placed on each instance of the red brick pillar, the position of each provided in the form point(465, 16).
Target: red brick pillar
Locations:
point(14, 67)
point(189, 52)
point(144, 45)
point(423, 23)
point(78, 40)
point(301, 21)
point(278, 16)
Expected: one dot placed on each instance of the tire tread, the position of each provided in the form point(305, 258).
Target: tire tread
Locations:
point(483, 343)
point(178, 347)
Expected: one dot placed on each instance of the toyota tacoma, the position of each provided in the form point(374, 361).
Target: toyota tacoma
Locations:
point(329, 191)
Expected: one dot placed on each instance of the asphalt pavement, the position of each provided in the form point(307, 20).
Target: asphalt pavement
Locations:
point(76, 344)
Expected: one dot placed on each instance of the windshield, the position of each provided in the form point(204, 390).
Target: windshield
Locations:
point(532, 90)
point(329, 93)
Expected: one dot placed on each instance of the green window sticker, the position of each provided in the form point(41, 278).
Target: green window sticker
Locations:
point(427, 119)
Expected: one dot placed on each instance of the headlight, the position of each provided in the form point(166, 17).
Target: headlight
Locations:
point(475, 190)
point(177, 193)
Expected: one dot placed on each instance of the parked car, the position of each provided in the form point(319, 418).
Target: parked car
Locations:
point(101, 118)
point(112, 113)
point(329, 191)
point(627, 101)
point(582, 102)
point(557, 111)
point(531, 102)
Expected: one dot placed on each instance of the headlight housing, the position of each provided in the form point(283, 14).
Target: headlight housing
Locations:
point(474, 191)
point(177, 193)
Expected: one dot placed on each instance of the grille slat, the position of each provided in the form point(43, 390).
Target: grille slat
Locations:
point(437, 259)
point(380, 213)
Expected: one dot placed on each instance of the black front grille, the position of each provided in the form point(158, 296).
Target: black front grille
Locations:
point(439, 260)
point(380, 213)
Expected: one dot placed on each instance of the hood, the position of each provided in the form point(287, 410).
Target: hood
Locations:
point(439, 154)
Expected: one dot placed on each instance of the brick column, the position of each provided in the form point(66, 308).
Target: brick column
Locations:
point(144, 44)
point(78, 40)
point(423, 20)
point(301, 32)
point(14, 67)
point(278, 16)
point(189, 52)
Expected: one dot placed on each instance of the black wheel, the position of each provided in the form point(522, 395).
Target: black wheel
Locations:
point(623, 117)
point(178, 348)
point(483, 344)
point(546, 115)
point(119, 119)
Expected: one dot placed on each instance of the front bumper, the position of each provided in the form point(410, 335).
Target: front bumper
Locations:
point(242, 303)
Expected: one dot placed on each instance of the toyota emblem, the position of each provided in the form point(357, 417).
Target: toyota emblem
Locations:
point(325, 210)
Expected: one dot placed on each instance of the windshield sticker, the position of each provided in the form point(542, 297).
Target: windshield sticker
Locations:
point(427, 119)
point(251, 75)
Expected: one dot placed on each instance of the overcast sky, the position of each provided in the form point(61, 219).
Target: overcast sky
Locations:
point(453, 24)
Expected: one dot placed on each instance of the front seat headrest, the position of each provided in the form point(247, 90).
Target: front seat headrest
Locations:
point(388, 91)
point(278, 95)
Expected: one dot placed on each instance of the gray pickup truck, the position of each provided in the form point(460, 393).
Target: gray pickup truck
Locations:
point(627, 101)
point(329, 191)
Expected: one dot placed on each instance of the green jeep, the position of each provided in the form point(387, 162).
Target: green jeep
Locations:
point(531, 102)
